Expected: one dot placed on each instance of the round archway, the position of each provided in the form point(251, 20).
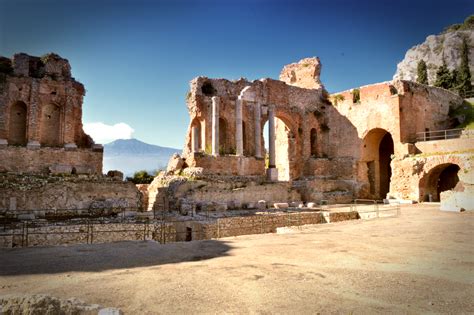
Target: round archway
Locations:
point(284, 147)
point(17, 124)
point(377, 150)
point(440, 178)
point(197, 133)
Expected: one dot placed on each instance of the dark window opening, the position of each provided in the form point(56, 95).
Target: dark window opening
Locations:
point(207, 89)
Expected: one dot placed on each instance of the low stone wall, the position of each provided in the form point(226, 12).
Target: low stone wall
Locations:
point(261, 223)
point(68, 194)
point(450, 145)
point(227, 164)
point(27, 234)
point(39, 160)
point(236, 193)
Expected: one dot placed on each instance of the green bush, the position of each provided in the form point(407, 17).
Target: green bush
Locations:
point(355, 96)
point(466, 110)
point(141, 177)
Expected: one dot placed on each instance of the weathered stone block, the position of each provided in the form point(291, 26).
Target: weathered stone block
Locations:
point(281, 205)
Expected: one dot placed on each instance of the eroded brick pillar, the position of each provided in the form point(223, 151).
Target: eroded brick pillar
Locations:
point(258, 141)
point(33, 117)
point(215, 126)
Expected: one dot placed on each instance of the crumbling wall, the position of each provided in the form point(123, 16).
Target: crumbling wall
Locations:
point(210, 193)
point(45, 160)
point(79, 195)
point(292, 105)
point(411, 178)
point(41, 106)
point(304, 73)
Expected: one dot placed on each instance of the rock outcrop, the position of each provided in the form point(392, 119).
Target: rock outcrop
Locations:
point(432, 51)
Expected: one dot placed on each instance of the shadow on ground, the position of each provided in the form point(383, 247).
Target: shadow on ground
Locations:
point(99, 257)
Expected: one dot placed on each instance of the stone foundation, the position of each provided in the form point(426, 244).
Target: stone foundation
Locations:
point(91, 232)
point(48, 195)
point(51, 160)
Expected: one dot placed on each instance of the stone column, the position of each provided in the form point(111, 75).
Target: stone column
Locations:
point(239, 142)
point(34, 117)
point(258, 140)
point(69, 123)
point(195, 139)
point(272, 172)
point(215, 126)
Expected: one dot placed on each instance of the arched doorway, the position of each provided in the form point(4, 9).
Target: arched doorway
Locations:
point(17, 125)
point(284, 139)
point(377, 153)
point(441, 178)
point(223, 139)
point(50, 125)
point(196, 136)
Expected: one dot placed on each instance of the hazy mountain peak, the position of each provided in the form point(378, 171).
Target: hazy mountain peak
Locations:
point(131, 155)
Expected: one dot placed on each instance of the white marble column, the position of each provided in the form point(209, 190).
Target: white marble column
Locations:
point(239, 141)
point(215, 126)
point(195, 139)
point(258, 129)
point(272, 172)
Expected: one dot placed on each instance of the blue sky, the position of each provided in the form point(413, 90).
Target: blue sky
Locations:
point(136, 58)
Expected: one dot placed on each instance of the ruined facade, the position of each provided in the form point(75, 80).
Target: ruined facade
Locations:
point(47, 162)
point(354, 144)
point(41, 118)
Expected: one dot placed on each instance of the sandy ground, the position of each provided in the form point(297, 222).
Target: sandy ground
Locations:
point(420, 262)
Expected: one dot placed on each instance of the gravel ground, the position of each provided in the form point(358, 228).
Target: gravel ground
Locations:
point(420, 262)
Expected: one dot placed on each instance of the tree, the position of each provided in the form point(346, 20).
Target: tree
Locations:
point(422, 73)
point(141, 177)
point(463, 74)
point(443, 77)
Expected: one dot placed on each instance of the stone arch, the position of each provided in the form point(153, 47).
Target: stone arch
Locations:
point(18, 124)
point(376, 153)
point(314, 142)
point(50, 129)
point(440, 178)
point(285, 147)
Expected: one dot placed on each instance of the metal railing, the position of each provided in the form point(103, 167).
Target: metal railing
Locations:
point(443, 134)
point(364, 206)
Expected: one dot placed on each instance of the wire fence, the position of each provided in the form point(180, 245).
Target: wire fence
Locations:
point(165, 227)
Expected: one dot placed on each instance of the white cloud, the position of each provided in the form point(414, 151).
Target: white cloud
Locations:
point(103, 133)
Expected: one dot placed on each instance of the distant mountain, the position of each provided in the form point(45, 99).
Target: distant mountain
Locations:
point(131, 155)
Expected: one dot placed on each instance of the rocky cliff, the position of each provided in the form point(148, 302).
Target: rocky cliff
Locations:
point(432, 51)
